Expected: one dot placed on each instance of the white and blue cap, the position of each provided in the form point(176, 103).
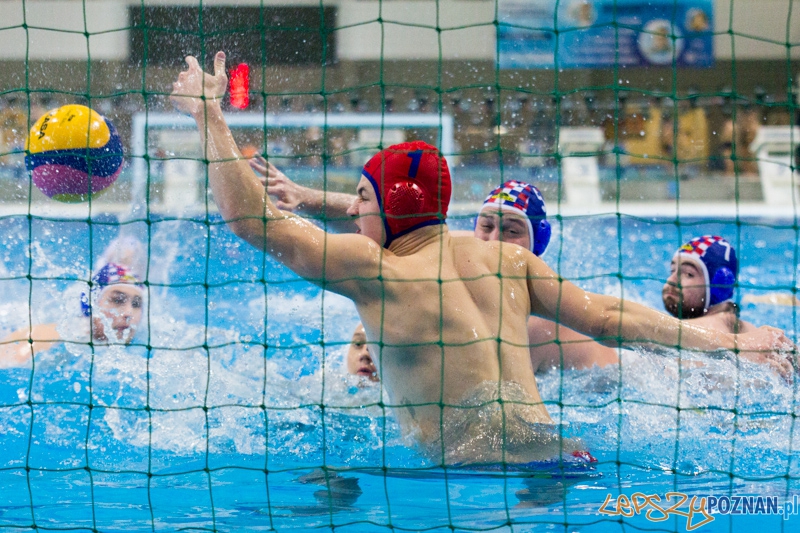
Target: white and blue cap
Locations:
point(716, 258)
point(110, 274)
point(524, 199)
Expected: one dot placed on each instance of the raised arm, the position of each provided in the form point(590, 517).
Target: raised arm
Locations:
point(334, 261)
point(331, 207)
point(614, 321)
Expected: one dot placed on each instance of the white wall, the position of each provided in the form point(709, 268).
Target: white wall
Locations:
point(362, 35)
point(752, 20)
point(62, 34)
point(402, 37)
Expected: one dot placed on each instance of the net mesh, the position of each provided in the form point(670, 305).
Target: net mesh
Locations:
point(202, 454)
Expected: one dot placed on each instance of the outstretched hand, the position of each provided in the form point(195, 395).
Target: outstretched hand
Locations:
point(770, 346)
point(290, 196)
point(195, 88)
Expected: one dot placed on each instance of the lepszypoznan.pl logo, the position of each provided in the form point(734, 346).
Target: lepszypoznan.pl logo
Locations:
point(699, 510)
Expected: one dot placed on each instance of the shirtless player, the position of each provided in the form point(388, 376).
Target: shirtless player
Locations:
point(448, 314)
point(703, 270)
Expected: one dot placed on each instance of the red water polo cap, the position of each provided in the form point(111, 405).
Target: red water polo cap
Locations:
point(412, 183)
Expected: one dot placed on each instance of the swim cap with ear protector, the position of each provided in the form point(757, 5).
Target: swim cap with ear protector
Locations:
point(110, 274)
point(526, 200)
point(717, 259)
point(412, 183)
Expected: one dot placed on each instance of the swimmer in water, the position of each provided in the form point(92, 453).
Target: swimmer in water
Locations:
point(703, 274)
point(700, 286)
point(515, 213)
point(113, 307)
point(359, 360)
point(448, 315)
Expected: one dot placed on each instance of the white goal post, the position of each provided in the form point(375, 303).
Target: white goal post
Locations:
point(144, 123)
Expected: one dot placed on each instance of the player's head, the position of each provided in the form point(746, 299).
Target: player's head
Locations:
point(515, 212)
point(115, 301)
point(703, 274)
point(411, 188)
point(359, 360)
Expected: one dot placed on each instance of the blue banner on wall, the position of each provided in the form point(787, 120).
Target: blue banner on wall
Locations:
point(601, 33)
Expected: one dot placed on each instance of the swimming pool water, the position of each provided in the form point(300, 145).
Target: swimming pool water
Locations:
point(198, 426)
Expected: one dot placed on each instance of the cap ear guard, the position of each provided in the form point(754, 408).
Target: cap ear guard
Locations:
point(404, 198)
point(541, 237)
point(721, 286)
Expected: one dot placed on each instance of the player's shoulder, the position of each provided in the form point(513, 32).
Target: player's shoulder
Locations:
point(494, 253)
point(724, 317)
point(722, 321)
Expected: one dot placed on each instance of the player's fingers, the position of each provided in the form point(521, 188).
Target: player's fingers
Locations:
point(784, 368)
point(781, 341)
point(219, 64)
point(192, 62)
point(779, 363)
point(256, 166)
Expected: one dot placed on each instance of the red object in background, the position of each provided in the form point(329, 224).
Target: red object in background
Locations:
point(240, 86)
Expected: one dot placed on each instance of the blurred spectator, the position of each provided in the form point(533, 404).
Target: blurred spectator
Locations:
point(737, 136)
point(640, 131)
point(13, 133)
point(691, 139)
point(313, 140)
point(337, 146)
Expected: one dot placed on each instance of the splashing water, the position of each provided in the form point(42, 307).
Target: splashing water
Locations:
point(225, 366)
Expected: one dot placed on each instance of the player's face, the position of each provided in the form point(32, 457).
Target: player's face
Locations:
point(496, 225)
point(367, 212)
point(120, 308)
point(684, 294)
point(359, 361)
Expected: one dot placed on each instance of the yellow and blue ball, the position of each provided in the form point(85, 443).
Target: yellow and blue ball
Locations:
point(73, 152)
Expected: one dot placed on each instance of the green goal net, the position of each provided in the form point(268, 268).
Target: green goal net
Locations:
point(159, 373)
